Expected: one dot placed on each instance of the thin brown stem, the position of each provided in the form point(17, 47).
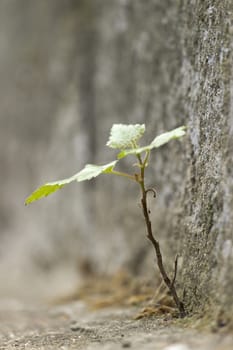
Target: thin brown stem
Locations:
point(170, 284)
point(151, 190)
point(175, 270)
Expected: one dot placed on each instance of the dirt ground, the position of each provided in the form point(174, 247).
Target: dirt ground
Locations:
point(73, 325)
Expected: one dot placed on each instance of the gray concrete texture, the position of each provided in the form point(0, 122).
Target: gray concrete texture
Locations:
point(72, 326)
point(69, 69)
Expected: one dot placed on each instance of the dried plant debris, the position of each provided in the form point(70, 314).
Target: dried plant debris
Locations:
point(122, 289)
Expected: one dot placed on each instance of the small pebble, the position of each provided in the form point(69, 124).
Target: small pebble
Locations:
point(126, 344)
point(76, 328)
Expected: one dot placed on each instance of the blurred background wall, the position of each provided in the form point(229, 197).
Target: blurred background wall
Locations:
point(69, 70)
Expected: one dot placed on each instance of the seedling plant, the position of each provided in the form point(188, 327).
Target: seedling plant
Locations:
point(125, 138)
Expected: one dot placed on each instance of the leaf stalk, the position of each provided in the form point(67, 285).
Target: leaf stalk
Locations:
point(120, 173)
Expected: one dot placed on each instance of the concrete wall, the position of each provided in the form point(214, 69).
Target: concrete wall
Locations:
point(207, 82)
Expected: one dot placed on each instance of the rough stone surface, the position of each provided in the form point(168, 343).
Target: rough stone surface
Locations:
point(72, 326)
point(207, 201)
point(68, 71)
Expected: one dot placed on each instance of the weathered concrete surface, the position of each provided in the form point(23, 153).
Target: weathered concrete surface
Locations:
point(68, 71)
point(205, 223)
point(72, 326)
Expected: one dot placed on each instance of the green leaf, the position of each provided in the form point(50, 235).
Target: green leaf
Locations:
point(167, 136)
point(92, 170)
point(88, 172)
point(157, 142)
point(123, 136)
point(46, 190)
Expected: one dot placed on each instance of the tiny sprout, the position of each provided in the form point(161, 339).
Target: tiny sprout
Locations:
point(125, 138)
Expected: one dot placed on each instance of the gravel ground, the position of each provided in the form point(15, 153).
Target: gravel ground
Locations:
point(73, 326)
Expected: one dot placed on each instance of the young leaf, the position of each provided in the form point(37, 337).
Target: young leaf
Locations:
point(157, 142)
point(87, 173)
point(47, 189)
point(167, 136)
point(92, 170)
point(123, 136)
